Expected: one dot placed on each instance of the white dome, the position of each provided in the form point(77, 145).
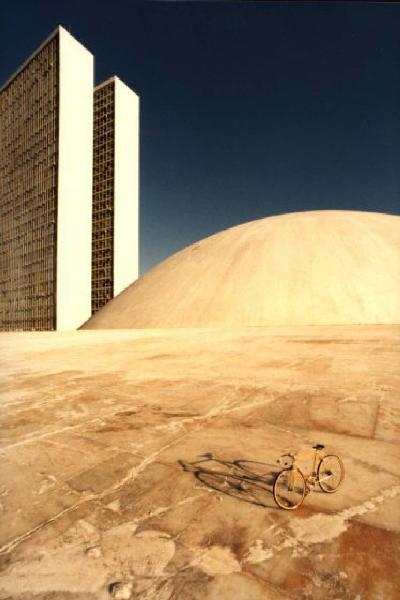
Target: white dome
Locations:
point(307, 268)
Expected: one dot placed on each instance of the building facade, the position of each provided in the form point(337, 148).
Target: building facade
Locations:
point(51, 164)
point(115, 190)
point(28, 191)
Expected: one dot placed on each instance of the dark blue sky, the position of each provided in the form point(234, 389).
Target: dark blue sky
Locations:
point(248, 109)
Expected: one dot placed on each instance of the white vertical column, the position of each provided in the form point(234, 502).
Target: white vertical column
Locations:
point(126, 187)
point(74, 221)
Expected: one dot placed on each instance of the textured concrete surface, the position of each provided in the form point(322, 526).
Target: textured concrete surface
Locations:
point(108, 491)
point(308, 268)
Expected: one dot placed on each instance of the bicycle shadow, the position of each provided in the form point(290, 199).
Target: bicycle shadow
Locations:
point(247, 480)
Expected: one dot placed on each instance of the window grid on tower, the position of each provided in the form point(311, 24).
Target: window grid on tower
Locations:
point(28, 193)
point(103, 196)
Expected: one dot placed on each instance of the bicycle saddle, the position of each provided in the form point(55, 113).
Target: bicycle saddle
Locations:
point(318, 447)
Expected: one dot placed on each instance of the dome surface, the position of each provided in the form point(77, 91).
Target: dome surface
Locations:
point(307, 268)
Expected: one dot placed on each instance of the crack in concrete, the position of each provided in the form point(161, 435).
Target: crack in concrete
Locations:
point(131, 476)
point(50, 433)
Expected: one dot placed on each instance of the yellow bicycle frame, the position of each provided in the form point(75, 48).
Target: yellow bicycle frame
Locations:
point(295, 465)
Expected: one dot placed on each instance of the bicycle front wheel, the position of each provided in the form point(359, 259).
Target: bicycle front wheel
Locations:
point(330, 473)
point(289, 489)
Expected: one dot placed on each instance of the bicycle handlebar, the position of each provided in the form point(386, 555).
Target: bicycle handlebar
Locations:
point(292, 456)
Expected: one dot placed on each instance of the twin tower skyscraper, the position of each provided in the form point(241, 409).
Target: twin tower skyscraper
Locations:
point(69, 189)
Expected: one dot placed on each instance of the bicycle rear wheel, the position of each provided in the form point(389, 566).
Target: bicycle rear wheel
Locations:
point(289, 489)
point(330, 473)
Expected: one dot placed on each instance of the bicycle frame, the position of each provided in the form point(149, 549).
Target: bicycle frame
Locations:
point(313, 475)
point(317, 455)
point(316, 459)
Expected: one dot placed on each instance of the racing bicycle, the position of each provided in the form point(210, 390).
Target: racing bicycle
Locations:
point(292, 484)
